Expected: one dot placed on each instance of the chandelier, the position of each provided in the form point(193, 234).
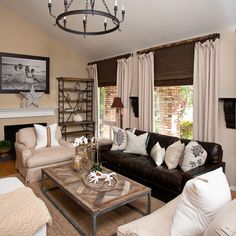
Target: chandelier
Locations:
point(110, 22)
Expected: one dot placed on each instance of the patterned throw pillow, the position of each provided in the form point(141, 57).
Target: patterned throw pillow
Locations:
point(158, 154)
point(194, 156)
point(119, 138)
point(173, 154)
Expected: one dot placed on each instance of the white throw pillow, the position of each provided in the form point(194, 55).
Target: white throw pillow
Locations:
point(194, 156)
point(201, 200)
point(224, 223)
point(136, 144)
point(158, 154)
point(46, 136)
point(119, 138)
point(173, 154)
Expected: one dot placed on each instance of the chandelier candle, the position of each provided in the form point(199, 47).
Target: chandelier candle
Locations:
point(64, 20)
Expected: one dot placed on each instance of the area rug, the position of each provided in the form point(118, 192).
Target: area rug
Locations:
point(107, 223)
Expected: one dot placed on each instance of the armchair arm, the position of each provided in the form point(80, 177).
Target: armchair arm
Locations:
point(105, 147)
point(65, 143)
point(201, 170)
point(104, 144)
point(22, 152)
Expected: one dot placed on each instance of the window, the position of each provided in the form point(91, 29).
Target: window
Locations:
point(173, 110)
point(107, 115)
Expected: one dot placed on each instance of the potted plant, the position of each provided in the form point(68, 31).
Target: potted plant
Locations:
point(5, 146)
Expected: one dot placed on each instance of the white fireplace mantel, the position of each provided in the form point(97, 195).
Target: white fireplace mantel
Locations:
point(26, 112)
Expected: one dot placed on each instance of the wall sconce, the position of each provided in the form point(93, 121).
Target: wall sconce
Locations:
point(134, 103)
point(117, 103)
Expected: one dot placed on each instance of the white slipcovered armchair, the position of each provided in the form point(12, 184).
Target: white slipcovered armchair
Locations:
point(30, 161)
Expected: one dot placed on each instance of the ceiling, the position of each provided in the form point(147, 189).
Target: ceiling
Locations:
point(147, 23)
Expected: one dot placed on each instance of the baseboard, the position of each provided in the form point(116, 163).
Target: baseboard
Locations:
point(233, 188)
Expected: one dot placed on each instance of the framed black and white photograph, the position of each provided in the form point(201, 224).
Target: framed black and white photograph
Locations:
point(19, 72)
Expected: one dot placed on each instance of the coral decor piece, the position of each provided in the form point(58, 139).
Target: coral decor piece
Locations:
point(32, 97)
point(95, 176)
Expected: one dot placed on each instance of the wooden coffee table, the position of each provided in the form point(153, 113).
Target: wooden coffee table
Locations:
point(94, 202)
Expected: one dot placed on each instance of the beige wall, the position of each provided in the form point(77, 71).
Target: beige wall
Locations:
point(227, 82)
point(18, 35)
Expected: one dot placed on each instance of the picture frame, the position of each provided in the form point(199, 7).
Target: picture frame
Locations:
point(19, 72)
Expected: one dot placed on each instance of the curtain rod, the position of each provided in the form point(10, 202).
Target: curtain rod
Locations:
point(116, 57)
point(202, 38)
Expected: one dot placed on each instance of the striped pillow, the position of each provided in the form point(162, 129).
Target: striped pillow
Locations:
point(46, 136)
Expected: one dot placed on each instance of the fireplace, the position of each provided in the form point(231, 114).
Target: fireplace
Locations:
point(10, 134)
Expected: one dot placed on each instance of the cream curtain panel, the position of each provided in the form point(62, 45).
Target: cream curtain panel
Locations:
point(93, 74)
point(205, 83)
point(124, 77)
point(146, 90)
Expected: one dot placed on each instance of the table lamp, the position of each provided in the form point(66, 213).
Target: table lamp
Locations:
point(117, 103)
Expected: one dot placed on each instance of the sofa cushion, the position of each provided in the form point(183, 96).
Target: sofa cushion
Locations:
point(49, 155)
point(224, 223)
point(144, 168)
point(201, 200)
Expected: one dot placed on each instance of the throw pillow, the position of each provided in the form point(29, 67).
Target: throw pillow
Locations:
point(158, 154)
point(119, 138)
point(173, 154)
point(224, 223)
point(194, 156)
point(136, 144)
point(46, 136)
point(201, 200)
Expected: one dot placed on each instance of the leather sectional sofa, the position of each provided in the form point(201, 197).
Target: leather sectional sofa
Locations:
point(166, 184)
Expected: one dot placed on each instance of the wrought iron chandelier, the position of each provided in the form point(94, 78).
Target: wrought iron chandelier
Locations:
point(111, 21)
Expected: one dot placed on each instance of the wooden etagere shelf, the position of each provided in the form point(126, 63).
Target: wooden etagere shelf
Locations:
point(75, 97)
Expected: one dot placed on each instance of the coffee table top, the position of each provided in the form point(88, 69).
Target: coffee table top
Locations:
point(72, 183)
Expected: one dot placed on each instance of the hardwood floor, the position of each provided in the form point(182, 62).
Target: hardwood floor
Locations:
point(7, 168)
point(233, 194)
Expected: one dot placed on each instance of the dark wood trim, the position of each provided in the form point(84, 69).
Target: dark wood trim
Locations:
point(202, 38)
point(111, 58)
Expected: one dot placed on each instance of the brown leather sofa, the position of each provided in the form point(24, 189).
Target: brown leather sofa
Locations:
point(30, 161)
point(166, 184)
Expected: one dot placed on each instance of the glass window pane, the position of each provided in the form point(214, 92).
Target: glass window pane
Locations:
point(173, 110)
point(107, 115)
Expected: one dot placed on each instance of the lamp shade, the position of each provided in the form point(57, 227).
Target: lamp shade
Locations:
point(117, 103)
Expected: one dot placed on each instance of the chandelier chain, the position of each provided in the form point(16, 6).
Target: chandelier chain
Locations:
point(106, 6)
point(69, 4)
